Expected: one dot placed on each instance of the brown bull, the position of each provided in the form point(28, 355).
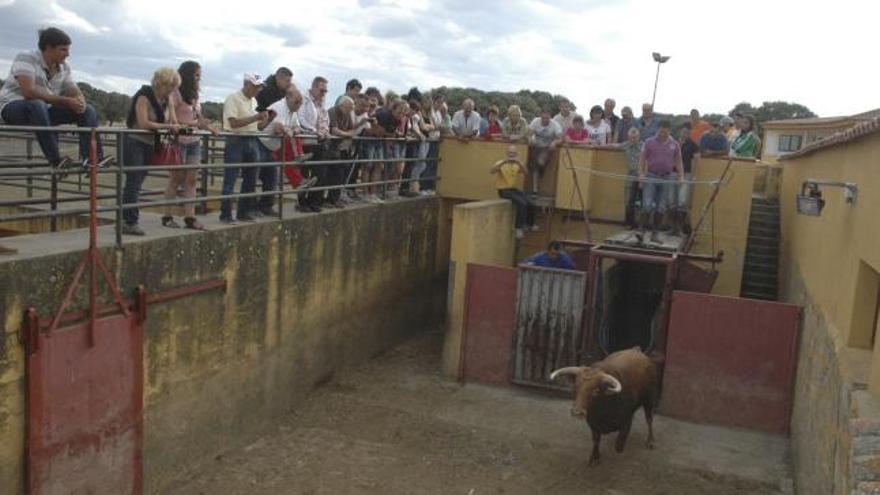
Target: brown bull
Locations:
point(609, 392)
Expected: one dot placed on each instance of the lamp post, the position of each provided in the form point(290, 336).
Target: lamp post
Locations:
point(660, 59)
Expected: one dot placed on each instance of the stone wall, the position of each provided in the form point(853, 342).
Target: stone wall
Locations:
point(306, 297)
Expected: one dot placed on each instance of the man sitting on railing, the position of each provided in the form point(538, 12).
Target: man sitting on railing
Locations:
point(41, 92)
point(553, 257)
point(546, 135)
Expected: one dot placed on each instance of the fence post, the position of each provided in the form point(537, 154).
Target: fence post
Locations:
point(279, 185)
point(53, 200)
point(120, 157)
point(203, 179)
point(29, 147)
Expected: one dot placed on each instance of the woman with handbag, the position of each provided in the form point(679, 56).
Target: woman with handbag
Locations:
point(149, 111)
point(188, 111)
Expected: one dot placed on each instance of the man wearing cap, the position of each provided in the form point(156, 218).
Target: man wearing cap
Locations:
point(240, 116)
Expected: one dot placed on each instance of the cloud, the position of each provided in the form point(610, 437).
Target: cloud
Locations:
point(584, 49)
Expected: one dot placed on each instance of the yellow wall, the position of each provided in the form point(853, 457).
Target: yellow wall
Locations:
point(826, 252)
point(482, 232)
point(465, 175)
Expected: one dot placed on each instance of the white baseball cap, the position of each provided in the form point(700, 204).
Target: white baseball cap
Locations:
point(252, 78)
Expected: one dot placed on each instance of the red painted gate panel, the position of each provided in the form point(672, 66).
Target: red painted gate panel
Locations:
point(490, 319)
point(85, 407)
point(731, 361)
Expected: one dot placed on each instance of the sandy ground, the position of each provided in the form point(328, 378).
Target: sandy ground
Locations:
point(394, 426)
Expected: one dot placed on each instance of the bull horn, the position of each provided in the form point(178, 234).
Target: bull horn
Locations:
point(568, 370)
point(616, 387)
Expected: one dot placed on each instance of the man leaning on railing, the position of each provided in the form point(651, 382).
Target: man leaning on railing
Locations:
point(41, 92)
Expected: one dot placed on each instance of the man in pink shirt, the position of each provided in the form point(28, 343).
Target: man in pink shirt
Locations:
point(659, 166)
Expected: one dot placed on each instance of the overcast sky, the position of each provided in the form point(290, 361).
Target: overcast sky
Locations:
point(816, 53)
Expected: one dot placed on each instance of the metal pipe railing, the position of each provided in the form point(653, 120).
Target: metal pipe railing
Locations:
point(31, 172)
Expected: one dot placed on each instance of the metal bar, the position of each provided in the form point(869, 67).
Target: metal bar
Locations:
point(120, 159)
point(693, 235)
point(168, 295)
point(30, 156)
point(93, 239)
point(624, 256)
point(70, 289)
point(203, 177)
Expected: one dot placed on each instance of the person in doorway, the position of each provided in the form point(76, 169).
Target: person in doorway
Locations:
point(40, 91)
point(553, 257)
point(690, 158)
point(240, 116)
point(188, 111)
point(150, 110)
point(507, 172)
point(659, 165)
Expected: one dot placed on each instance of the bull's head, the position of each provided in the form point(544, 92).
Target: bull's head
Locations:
point(589, 383)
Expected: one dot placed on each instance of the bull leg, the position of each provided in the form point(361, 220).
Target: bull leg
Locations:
point(620, 443)
point(594, 457)
point(649, 418)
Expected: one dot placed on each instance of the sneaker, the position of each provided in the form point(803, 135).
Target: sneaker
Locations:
point(519, 234)
point(62, 166)
point(306, 183)
point(303, 158)
point(315, 208)
point(246, 217)
point(193, 223)
point(102, 163)
point(228, 220)
point(132, 229)
point(168, 221)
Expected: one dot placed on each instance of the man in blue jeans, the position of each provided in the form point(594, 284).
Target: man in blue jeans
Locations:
point(659, 166)
point(240, 116)
point(41, 92)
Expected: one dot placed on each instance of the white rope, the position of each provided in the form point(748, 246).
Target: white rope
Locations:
point(631, 178)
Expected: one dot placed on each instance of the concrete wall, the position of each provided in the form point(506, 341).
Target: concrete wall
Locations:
point(826, 266)
point(306, 297)
point(482, 232)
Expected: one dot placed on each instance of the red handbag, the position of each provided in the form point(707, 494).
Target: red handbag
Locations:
point(167, 152)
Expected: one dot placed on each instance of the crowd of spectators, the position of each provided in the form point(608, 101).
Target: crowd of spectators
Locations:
point(396, 139)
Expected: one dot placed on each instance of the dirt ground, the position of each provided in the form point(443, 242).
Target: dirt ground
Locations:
point(394, 426)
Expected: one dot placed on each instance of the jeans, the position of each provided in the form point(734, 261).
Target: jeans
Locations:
point(683, 195)
point(239, 149)
point(268, 179)
point(525, 212)
point(429, 184)
point(631, 193)
point(335, 175)
point(39, 113)
point(657, 196)
point(136, 154)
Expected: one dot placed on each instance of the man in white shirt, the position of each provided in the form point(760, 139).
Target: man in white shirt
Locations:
point(315, 121)
point(240, 116)
point(466, 122)
point(565, 117)
point(546, 136)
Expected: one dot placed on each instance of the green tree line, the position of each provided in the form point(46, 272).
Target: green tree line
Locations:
point(112, 107)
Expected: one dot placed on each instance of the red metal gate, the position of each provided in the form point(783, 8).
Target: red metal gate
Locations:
point(490, 319)
point(731, 361)
point(85, 408)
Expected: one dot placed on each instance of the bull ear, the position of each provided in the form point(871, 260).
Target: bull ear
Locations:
point(568, 370)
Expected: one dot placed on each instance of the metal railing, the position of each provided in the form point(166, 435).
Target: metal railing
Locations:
point(31, 172)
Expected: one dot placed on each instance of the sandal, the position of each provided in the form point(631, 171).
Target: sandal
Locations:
point(193, 223)
point(168, 221)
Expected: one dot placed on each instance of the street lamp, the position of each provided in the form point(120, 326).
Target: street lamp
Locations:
point(660, 59)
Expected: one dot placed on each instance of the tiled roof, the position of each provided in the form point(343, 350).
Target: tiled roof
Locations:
point(860, 130)
point(824, 121)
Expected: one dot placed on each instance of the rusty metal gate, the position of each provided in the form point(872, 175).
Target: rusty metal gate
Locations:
point(731, 361)
point(549, 331)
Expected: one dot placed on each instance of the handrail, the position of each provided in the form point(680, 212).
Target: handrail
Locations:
point(24, 173)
